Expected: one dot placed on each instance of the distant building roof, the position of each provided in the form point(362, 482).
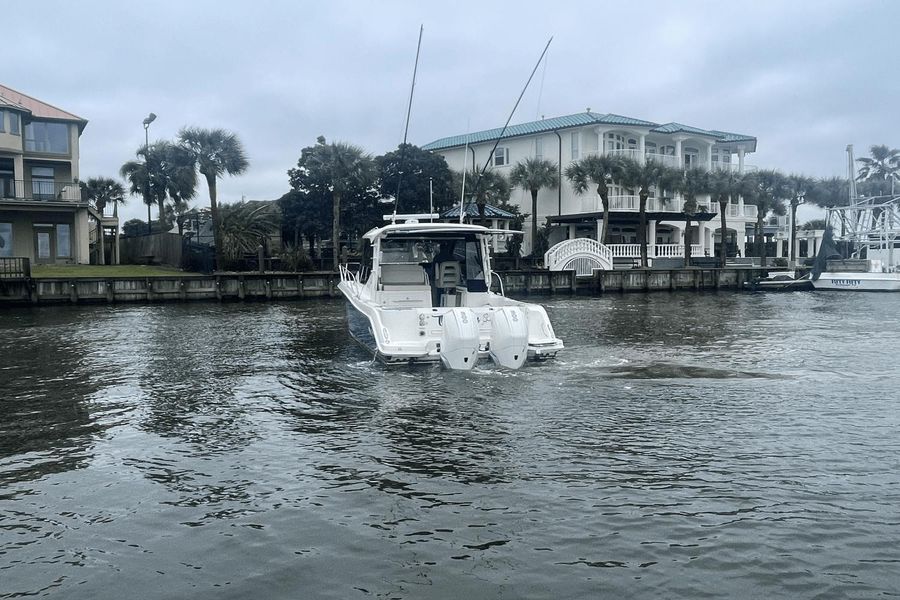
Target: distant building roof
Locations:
point(580, 120)
point(37, 108)
point(490, 212)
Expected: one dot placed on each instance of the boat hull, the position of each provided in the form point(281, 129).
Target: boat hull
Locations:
point(859, 282)
point(378, 331)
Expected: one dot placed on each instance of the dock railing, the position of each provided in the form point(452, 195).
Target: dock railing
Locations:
point(15, 267)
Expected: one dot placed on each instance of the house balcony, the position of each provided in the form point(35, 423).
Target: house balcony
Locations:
point(40, 191)
point(672, 161)
point(631, 203)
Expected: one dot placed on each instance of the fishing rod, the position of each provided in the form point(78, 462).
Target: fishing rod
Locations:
point(502, 131)
point(412, 89)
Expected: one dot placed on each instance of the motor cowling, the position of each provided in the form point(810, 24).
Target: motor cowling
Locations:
point(509, 337)
point(459, 339)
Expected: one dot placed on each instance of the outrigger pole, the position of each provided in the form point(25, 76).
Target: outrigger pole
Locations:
point(502, 131)
point(412, 89)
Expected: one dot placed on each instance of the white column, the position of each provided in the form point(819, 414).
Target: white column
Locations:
point(741, 238)
point(709, 148)
point(740, 160)
point(116, 247)
point(679, 154)
point(778, 249)
point(601, 144)
point(599, 230)
point(571, 232)
point(80, 237)
point(641, 147)
point(651, 238)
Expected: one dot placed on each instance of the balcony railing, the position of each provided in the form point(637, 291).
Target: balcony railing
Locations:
point(40, 190)
point(672, 161)
point(735, 210)
point(653, 250)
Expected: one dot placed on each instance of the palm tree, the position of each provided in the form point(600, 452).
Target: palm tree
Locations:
point(644, 176)
point(600, 171)
point(768, 195)
point(831, 192)
point(163, 172)
point(694, 182)
point(214, 152)
point(346, 167)
point(245, 225)
point(884, 165)
point(724, 186)
point(533, 174)
point(101, 191)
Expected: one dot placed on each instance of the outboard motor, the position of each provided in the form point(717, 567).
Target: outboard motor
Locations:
point(459, 339)
point(509, 337)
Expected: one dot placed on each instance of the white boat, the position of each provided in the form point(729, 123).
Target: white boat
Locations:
point(869, 228)
point(423, 295)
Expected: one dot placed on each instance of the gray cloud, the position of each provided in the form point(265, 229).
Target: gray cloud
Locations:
point(806, 78)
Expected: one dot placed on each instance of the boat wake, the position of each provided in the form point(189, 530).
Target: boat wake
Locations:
point(664, 370)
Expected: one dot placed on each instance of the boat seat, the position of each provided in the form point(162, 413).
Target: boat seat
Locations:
point(403, 275)
point(447, 280)
point(447, 275)
point(404, 286)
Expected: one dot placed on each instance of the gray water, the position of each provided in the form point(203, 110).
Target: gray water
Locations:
point(684, 446)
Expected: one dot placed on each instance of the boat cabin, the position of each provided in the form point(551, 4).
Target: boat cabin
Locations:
point(428, 265)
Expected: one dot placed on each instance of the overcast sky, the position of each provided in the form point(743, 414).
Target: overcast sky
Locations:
point(805, 78)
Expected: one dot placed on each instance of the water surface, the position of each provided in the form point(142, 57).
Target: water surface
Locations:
point(684, 446)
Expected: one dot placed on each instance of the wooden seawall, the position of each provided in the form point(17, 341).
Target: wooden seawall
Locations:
point(283, 286)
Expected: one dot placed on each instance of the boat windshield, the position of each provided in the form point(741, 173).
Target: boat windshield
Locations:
point(430, 252)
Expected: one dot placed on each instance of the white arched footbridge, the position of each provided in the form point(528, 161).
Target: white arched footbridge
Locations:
point(582, 255)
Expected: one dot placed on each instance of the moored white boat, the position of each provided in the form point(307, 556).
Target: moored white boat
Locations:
point(422, 295)
point(870, 230)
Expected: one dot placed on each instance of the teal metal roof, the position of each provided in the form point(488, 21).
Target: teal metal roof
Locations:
point(490, 212)
point(578, 120)
point(733, 137)
point(679, 128)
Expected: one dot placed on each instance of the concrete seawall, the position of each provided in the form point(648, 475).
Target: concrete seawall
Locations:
point(283, 286)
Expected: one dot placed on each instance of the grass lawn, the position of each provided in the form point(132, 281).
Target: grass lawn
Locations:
point(38, 271)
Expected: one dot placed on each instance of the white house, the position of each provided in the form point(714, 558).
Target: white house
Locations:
point(566, 139)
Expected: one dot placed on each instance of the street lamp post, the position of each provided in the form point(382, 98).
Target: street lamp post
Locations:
point(150, 118)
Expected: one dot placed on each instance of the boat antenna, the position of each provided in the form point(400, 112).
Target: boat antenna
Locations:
point(462, 192)
point(412, 89)
point(512, 112)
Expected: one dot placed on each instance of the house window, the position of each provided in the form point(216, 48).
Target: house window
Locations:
point(576, 145)
point(614, 142)
point(501, 157)
point(42, 183)
point(63, 246)
point(6, 247)
point(49, 138)
point(14, 123)
point(539, 148)
point(43, 244)
point(691, 157)
point(650, 148)
point(3, 121)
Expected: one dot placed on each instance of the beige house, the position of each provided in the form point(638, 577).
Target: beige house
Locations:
point(42, 215)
